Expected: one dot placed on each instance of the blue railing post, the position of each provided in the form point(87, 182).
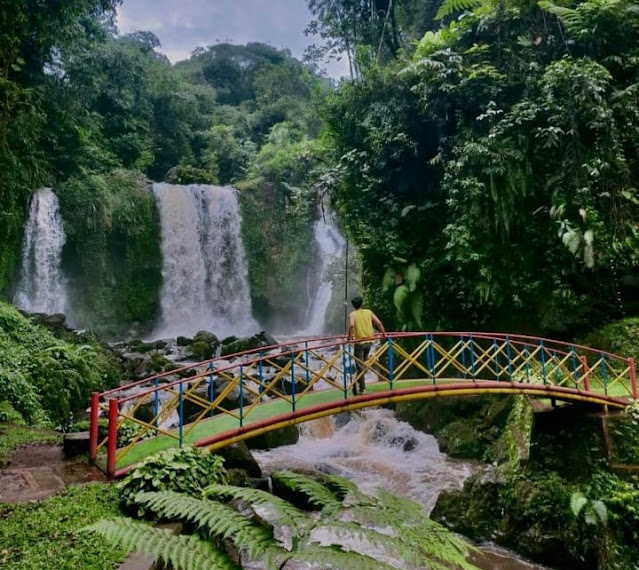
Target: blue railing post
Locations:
point(575, 372)
point(431, 351)
point(181, 413)
point(510, 361)
point(156, 403)
point(391, 364)
point(308, 378)
point(604, 373)
point(472, 355)
point(526, 360)
point(293, 381)
point(463, 354)
point(241, 396)
point(211, 389)
point(543, 360)
point(344, 354)
point(260, 372)
point(554, 357)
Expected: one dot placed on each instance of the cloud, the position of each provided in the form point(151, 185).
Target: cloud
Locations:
point(183, 25)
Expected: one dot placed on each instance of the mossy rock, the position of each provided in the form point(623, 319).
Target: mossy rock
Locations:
point(238, 456)
point(183, 341)
point(461, 439)
point(270, 440)
point(619, 337)
point(201, 350)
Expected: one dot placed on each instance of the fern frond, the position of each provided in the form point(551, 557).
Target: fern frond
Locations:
point(448, 7)
point(217, 519)
point(317, 493)
point(571, 18)
point(182, 552)
point(343, 488)
point(335, 558)
point(284, 513)
point(390, 544)
point(443, 549)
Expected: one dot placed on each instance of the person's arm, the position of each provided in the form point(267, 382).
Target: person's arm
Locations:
point(378, 324)
point(351, 327)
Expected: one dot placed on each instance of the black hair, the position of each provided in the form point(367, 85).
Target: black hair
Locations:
point(357, 302)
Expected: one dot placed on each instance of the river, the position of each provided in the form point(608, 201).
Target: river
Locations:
point(374, 449)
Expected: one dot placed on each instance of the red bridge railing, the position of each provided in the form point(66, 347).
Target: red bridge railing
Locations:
point(174, 410)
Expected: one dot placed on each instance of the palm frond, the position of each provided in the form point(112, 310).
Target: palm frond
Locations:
point(182, 552)
point(217, 519)
point(316, 493)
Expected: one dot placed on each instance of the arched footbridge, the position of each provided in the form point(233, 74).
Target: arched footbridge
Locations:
point(227, 399)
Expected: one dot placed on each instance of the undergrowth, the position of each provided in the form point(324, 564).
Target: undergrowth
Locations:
point(44, 535)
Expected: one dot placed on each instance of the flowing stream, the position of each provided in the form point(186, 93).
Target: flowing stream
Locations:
point(374, 449)
point(330, 243)
point(41, 286)
point(204, 270)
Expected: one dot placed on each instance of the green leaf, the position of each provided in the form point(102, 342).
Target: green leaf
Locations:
point(412, 275)
point(577, 502)
point(416, 304)
point(389, 279)
point(400, 296)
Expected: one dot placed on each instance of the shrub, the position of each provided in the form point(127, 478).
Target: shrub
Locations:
point(185, 470)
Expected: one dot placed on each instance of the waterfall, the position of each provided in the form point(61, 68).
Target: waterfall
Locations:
point(41, 288)
point(204, 270)
point(331, 245)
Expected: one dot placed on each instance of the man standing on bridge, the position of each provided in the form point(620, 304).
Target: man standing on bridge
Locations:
point(360, 329)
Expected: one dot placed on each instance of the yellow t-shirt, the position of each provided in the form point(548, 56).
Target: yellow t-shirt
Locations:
point(363, 323)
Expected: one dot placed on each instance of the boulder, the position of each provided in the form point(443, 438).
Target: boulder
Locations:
point(285, 436)
point(238, 456)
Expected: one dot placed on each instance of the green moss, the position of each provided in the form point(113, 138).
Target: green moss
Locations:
point(112, 256)
point(48, 534)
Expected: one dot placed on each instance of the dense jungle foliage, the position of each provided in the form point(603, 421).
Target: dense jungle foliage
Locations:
point(489, 175)
point(483, 157)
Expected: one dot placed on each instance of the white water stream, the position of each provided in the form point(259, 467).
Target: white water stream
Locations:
point(204, 270)
point(375, 450)
point(41, 286)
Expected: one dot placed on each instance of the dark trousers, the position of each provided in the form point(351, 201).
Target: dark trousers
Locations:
point(361, 350)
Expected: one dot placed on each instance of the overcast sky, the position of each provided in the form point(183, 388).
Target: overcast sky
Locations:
point(183, 25)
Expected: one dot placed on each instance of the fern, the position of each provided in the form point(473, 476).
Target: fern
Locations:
point(448, 7)
point(317, 493)
point(345, 489)
point(284, 513)
point(182, 552)
point(569, 17)
point(217, 519)
point(393, 545)
point(335, 558)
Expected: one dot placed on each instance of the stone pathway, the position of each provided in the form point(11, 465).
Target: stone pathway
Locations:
point(37, 471)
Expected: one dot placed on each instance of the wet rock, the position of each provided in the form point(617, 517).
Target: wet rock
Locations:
point(285, 436)
point(238, 456)
point(183, 341)
point(74, 444)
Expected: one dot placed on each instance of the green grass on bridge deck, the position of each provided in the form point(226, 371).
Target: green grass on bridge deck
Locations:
point(223, 422)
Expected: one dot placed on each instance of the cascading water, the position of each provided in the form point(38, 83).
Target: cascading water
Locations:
point(204, 270)
point(41, 287)
point(375, 450)
point(330, 243)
